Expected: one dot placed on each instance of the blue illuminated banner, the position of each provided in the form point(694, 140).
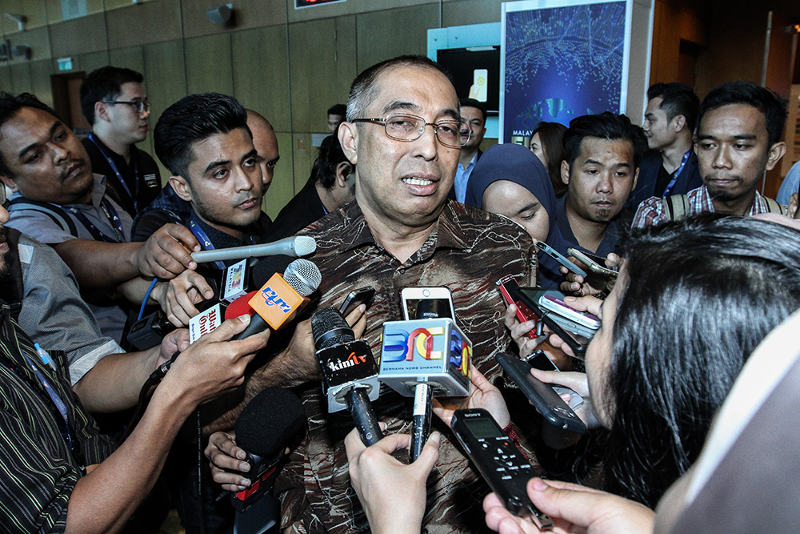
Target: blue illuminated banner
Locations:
point(560, 60)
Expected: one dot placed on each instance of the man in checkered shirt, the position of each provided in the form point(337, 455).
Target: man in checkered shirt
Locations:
point(738, 138)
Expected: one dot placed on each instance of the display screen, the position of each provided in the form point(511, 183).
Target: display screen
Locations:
point(483, 428)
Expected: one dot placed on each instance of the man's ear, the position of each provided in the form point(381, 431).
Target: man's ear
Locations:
point(565, 172)
point(776, 152)
point(181, 187)
point(101, 111)
point(348, 138)
point(343, 170)
point(680, 123)
point(10, 183)
point(635, 179)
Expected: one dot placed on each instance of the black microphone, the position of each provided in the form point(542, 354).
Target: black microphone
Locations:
point(350, 376)
point(263, 430)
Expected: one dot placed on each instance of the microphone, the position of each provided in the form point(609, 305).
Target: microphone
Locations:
point(350, 376)
point(422, 358)
point(291, 246)
point(264, 429)
point(277, 302)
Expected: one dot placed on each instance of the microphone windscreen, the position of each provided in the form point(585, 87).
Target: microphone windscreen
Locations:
point(433, 309)
point(240, 306)
point(303, 276)
point(269, 421)
point(330, 328)
point(267, 266)
point(304, 245)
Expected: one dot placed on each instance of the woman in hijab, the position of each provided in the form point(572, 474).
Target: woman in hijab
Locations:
point(510, 180)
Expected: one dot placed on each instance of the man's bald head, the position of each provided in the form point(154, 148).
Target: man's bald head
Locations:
point(266, 143)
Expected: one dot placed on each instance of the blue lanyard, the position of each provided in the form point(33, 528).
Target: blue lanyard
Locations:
point(113, 219)
point(119, 175)
point(676, 174)
point(201, 236)
point(54, 397)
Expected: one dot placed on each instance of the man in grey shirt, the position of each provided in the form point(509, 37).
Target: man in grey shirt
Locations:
point(57, 200)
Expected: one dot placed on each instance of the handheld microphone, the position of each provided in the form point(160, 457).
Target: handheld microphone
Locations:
point(277, 302)
point(235, 282)
point(422, 358)
point(264, 429)
point(350, 376)
point(291, 246)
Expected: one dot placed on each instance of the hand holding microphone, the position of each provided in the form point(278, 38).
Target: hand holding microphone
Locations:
point(350, 376)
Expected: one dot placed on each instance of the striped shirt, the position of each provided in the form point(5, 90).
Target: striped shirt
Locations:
point(37, 469)
point(651, 212)
point(468, 251)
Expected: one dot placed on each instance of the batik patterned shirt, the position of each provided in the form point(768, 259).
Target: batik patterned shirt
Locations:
point(467, 251)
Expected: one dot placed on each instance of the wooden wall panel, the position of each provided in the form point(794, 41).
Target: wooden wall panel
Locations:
point(385, 34)
point(464, 12)
point(282, 189)
point(37, 39)
point(21, 74)
point(261, 74)
point(150, 22)
point(128, 58)
point(247, 14)
point(79, 36)
point(6, 80)
point(165, 80)
point(303, 155)
point(53, 9)
point(34, 11)
point(313, 66)
point(90, 62)
point(208, 64)
point(351, 7)
point(40, 81)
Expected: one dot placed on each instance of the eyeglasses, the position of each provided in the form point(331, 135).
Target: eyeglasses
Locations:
point(411, 127)
point(140, 107)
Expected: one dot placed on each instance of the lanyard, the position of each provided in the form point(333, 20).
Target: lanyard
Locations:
point(113, 220)
point(119, 175)
point(676, 174)
point(55, 399)
point(201, 236)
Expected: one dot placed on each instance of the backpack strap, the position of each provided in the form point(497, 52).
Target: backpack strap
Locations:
point(675, 207)
point(773, 206)
point(56, 213)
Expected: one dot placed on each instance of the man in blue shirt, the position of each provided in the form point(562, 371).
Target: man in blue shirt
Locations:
point(473, 113)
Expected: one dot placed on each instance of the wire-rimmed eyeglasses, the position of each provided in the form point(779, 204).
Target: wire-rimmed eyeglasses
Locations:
point(450, 132)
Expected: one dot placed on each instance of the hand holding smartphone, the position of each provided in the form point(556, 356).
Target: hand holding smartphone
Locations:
point(595, 264)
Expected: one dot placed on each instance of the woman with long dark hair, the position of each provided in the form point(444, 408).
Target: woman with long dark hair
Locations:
point(547, 143)
point(692, 302)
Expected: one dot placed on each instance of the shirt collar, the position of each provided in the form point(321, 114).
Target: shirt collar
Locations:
point(447, 232)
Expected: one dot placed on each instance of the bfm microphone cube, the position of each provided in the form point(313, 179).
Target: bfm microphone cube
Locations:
point(432, 351)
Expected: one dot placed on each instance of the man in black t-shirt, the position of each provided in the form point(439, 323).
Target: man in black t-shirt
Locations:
point(216, 178)
point(114, 102)
point(670, 167)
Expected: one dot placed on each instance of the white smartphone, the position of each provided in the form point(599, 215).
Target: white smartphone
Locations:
point(427, 303)
point(556, 305)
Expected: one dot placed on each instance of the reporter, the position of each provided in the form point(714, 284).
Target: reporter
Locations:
point(692, 302)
